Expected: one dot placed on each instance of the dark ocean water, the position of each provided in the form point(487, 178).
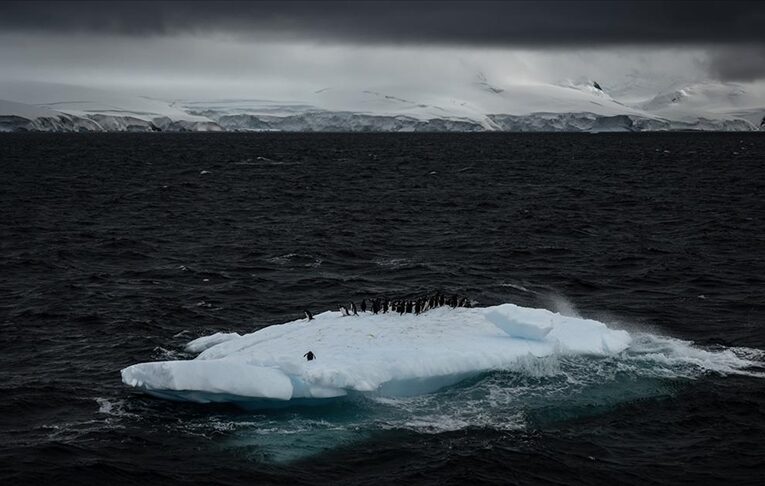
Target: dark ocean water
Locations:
point(117, 249)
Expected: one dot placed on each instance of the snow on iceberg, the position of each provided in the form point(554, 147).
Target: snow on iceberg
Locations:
point(381, 354)
point(199, 345)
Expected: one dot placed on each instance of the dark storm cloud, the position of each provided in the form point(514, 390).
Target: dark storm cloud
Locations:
point(539, 23)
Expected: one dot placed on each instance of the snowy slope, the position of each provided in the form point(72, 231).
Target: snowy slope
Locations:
point(22, 117)
point(483, 105)
point(29, 112)
point(710, 101)
point(472, 104)
point(81, 101)
point(109, 111)
point(479, 104)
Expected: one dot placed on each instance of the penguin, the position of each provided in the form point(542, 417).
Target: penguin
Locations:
point(363, 305)
point(344, 310)
point(308, 315)
point(309, 356)
point(353, 309)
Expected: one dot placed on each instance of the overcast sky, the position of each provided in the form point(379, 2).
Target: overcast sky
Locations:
point(282, 49)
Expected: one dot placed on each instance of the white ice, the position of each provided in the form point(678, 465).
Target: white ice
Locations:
point(482, 102)
point(382, 354)
point(81, 101)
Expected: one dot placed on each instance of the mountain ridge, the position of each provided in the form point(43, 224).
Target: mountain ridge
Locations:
point(480, 106)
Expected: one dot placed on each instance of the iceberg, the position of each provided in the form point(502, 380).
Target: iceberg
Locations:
point(384, 355)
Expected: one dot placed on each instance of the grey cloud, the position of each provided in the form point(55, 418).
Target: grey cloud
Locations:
point(742, 64)
point(539, 23)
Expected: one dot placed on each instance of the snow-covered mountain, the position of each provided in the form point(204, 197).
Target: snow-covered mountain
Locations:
point(480, 105)
point(710, 103)
point(57, 107)
point(22, 117)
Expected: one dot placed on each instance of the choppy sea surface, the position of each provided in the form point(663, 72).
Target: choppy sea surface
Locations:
point(121, 248)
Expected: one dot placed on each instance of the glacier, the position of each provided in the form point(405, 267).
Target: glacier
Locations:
point(386, 355)
point(480, 106)
point(54, 107)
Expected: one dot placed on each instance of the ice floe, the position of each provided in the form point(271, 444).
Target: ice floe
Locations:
point(375, 354)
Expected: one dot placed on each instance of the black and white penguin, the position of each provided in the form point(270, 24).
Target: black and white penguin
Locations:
point(363, 305)
point(309, 356)
point(308, 315)
point(344, 310)
point(353, 309)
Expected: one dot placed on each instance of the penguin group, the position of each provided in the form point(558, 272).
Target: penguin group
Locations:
point(351, 310)
point(416, 305)
point(383, 305)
